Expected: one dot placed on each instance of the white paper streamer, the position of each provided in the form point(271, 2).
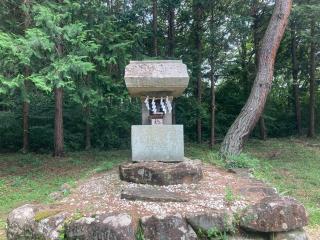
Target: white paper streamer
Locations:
point(168, 103)
point(163, 106)
point(153, 105)
point(146, 101)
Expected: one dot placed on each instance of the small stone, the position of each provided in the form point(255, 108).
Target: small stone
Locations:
point(167, 227)
point(266, 191)
point(103, 227)
point(152, 195)
point(291, 235)
point(159, 173)
point(219, 221)
point(56, 196)
point(274, 214)
point(65, 188)
point(241, 172)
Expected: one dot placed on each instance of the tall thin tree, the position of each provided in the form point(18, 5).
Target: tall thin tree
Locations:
point(213, 104)
point(26, 103)
point(312, 84)
point(198, 12)
point(171, 18)
point(256, 44)
point(251, 112)
point(295, 71)
point(58, 117)
point(155, 27)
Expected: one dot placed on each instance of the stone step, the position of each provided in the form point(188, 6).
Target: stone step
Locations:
point(151, 195)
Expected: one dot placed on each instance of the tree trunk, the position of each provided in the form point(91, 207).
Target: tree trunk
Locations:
point(26, 104)
point(251, 112)
point(295, 70)
point(58, 117)
point(88, 128)
point(312, 87)
point(262, 128)
point(199, 120)
point(198, 12)
point(155, 27)
point(25, 116)
point(58, 123)
point(171, 30)
point(213, 106)
point(256, 41)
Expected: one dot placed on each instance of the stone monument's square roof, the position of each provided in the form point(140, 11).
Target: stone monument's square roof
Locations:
point(156, 78)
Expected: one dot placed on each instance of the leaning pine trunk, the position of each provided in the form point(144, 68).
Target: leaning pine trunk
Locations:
point(251, 112)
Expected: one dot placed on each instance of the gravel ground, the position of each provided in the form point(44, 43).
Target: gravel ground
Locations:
point(218, 190)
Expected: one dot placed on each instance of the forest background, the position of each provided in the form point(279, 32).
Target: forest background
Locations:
point(62, 67)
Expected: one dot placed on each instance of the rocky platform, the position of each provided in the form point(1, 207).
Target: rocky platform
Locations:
point(221, 204)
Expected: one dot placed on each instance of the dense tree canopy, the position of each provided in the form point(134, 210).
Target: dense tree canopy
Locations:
point(74, 53)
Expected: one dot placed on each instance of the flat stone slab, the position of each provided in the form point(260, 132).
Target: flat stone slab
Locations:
point(152, 195)
point(157, 143)
point(156, 78)
point(159, 173)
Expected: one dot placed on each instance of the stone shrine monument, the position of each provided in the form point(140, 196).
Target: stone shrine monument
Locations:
point(156, 83)
point(158, 145)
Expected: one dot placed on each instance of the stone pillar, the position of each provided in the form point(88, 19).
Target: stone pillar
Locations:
point(144, 114)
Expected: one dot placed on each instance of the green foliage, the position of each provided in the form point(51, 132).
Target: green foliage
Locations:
point(241, 161)
point(139, 233)
point(84, 46)
point(212, 234)
point(229, 195)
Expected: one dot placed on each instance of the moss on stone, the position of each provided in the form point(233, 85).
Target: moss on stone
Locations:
point(45, 214)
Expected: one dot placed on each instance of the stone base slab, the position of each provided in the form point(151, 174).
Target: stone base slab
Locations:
point(157, 143)
point(151, 195)
point(159, 173)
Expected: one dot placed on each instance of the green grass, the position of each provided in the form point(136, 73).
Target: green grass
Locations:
point(291, 165)
point(32, 177)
